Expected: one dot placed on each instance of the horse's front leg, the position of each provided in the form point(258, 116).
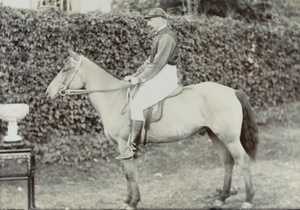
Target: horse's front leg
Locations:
point(130, 168)
point(133, 193)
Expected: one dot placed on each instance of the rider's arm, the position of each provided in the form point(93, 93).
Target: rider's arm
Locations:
point(166, 46)
point(142, 68)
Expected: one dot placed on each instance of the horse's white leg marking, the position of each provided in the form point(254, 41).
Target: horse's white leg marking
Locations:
point(227, 162)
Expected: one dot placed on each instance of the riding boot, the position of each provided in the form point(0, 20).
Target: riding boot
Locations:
point(136, 129)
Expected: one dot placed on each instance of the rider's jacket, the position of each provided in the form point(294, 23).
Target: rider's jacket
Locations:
point(164, 51)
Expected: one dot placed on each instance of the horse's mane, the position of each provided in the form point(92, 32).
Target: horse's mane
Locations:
point(105, 69)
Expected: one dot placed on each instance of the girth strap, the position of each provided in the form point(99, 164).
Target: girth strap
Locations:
point(147, 123)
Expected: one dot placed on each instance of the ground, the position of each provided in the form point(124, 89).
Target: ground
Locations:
point(180, 175)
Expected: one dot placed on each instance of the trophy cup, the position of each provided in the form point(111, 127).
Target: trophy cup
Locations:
point(12, 113)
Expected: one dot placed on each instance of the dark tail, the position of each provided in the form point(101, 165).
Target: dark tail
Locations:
point(249, 132)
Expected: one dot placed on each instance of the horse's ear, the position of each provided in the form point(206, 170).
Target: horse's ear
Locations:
point(73, 54)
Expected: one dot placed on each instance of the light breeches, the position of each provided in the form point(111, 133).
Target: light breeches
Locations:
point(153, 91)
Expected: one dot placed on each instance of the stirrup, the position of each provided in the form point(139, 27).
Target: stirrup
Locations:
point(126, 156)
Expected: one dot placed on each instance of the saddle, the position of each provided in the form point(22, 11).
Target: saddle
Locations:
point(154, 113)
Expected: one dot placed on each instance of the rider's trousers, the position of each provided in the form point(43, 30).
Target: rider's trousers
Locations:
point(153, 91)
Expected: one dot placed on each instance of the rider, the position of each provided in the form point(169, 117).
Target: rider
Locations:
point(157, 77)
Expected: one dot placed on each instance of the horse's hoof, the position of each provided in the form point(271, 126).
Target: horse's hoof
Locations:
point(218, 204)
point(130, 207)
point(247, 205)
point(124, 206)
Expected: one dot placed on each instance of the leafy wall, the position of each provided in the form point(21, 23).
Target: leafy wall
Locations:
point(262, 58)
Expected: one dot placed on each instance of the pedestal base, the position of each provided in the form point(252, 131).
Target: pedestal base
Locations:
point(12, 144)
point(16, 154)
point(12, 138)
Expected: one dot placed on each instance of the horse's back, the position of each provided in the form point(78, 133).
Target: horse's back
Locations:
point(211, 89)
point(215, 95)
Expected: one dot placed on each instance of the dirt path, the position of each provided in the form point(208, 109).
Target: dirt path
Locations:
point(276, 183)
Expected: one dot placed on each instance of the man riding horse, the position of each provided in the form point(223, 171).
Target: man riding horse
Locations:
point(225, 114)
point(156, 78)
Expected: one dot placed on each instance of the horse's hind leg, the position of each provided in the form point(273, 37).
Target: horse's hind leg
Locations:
point(242, 159)
point(227, 162)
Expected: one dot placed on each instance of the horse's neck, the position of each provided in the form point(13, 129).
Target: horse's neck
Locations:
point(98, 78)
point(105, 102)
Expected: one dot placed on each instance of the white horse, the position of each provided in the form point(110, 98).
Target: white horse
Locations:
point(223, 113)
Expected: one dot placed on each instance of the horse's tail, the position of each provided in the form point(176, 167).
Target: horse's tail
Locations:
point(249, 132)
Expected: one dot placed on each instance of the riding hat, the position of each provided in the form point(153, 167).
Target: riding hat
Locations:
point(156, 12)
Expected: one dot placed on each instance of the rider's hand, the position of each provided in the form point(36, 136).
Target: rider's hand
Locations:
point(134, 80)
point(128, 78)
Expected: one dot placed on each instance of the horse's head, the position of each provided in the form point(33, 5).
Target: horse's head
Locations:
point(69, 77)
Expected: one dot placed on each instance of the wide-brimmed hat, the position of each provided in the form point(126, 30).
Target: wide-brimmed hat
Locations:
point(156, 12)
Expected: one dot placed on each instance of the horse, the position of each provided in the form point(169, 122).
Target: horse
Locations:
point(225, 114)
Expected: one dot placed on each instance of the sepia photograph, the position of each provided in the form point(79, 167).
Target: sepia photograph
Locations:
point(150, 104)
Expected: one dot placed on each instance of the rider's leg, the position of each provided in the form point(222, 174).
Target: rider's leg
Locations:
point(134, 139)
point(137, 121)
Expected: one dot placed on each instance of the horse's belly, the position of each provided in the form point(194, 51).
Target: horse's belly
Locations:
point(170, 134)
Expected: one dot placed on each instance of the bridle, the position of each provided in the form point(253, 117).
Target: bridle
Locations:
point(65, 91)
point(62, 92)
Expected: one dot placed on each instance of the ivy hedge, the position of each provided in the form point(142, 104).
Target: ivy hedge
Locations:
point(262, 58)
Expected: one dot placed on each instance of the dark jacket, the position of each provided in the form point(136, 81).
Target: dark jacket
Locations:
point(164, 51)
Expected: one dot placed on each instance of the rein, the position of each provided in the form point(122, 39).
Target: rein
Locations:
point(65, 92)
